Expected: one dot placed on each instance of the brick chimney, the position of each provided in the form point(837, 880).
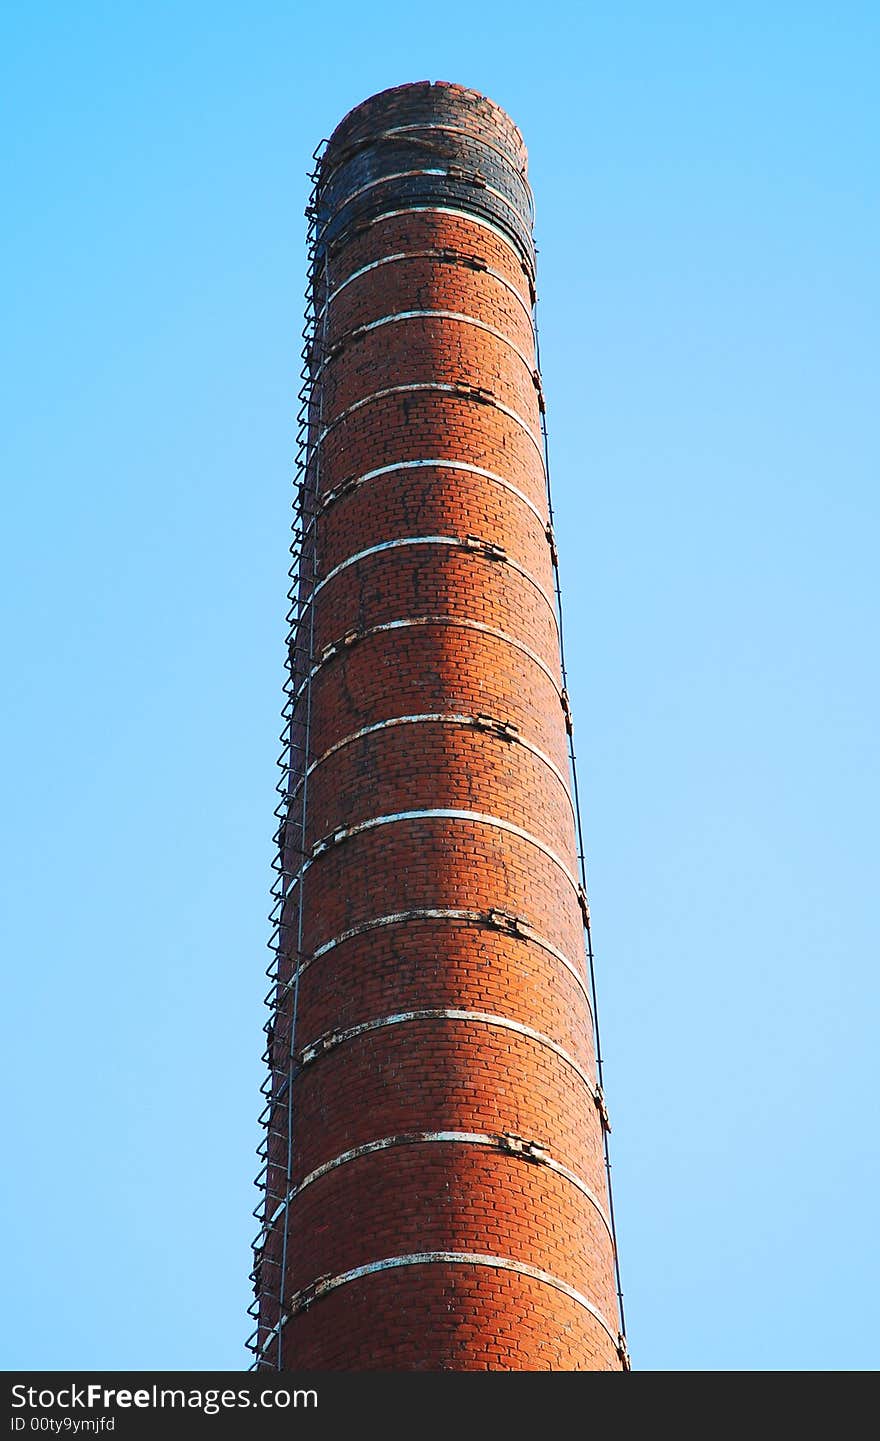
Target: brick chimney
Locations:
point(434, 1183)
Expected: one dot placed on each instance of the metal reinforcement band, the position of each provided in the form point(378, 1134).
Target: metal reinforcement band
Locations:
point(339, 217)
point(303, 1298)
point(440, 172)
point(443, 257)
point(532, 1152)
point(500, 921)
point(337, 647)
point(487, 724)
point(460, 389)
point(394, 316)
point(339, 492)
point(461, 213)
point(331, 1039)
point(448, 813)
point(366, 141)
point(479, 547)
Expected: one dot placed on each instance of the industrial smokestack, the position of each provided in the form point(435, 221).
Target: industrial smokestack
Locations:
point(435, 1179)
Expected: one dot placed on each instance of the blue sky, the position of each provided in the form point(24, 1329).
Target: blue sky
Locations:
point(707, 217)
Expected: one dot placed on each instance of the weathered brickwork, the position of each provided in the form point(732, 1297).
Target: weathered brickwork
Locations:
point(474, 1318)
point(435, 666)
point(435, 1171)
point(428, 504)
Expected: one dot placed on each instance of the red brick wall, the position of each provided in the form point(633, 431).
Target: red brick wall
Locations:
point(496, 1259)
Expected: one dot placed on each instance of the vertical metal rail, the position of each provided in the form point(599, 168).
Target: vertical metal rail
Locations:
point(582, 869)
point(286, 942)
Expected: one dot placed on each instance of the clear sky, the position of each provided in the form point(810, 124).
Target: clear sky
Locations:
point(707, 217)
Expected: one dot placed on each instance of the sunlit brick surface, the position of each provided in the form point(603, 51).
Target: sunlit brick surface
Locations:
point(441, 987)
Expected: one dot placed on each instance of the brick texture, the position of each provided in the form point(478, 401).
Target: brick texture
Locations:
point(432, 1007)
